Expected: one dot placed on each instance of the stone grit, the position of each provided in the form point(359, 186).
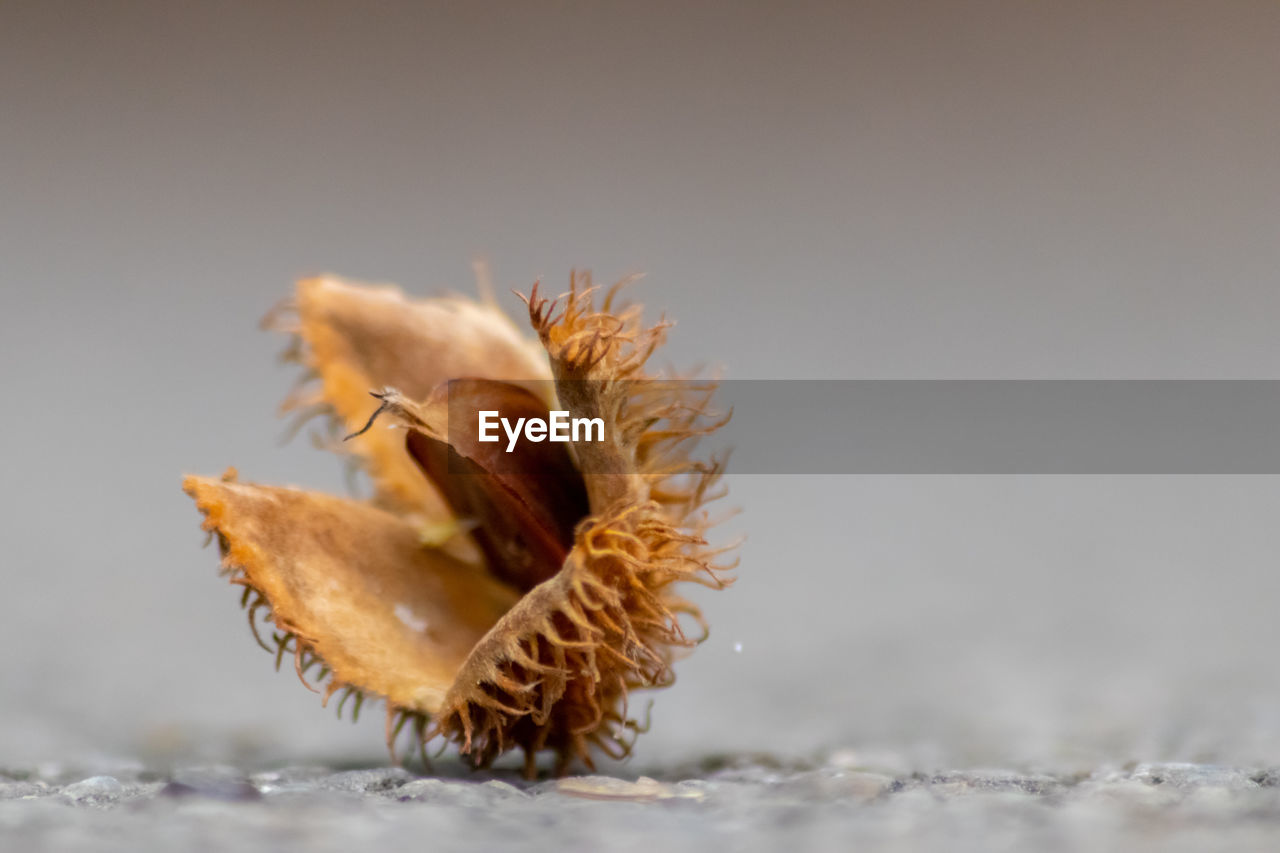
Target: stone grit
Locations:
point(743, 803)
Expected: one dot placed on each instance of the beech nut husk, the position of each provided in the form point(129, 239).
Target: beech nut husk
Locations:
point(490, 598)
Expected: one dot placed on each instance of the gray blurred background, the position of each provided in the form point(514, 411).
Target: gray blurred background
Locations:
point(857, 190)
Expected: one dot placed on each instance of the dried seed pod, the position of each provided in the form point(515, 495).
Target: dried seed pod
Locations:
point(495, 596)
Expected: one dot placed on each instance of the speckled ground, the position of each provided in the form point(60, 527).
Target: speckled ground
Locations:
point(746, 803)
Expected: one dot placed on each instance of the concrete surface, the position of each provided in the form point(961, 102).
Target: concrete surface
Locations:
point(844, 802)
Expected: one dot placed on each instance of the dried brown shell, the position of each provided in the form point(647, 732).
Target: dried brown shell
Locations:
point(435, 596)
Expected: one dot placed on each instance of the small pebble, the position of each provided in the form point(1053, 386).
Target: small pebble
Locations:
point(12, 790)
point(1181, 775)
point(458, 793)
point(609, 788)
point(218, 783)
point(95, 790)
point(381, 780)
